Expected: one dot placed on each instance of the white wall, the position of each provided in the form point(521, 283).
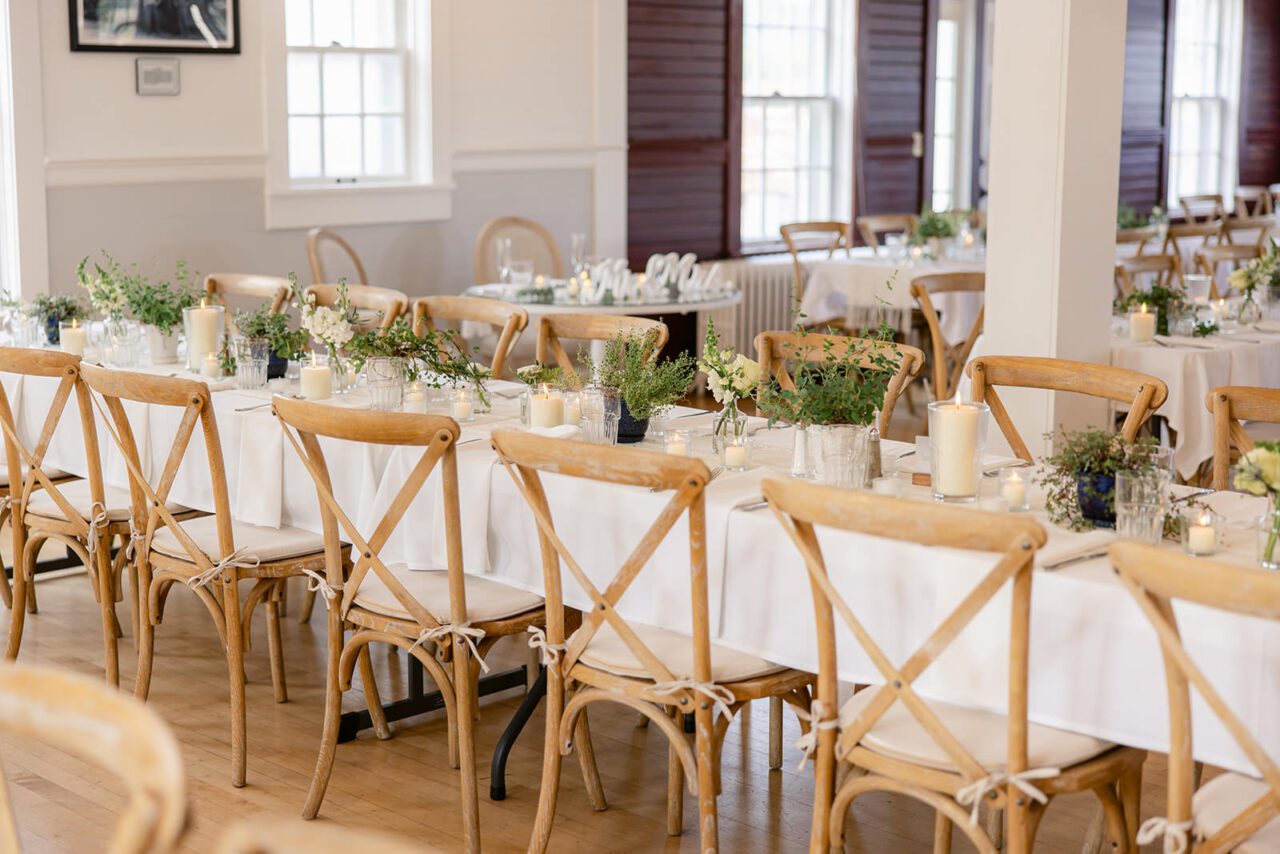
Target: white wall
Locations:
point(537, 95)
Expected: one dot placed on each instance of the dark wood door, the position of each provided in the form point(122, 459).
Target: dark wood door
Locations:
point(684, 89)
point(1260, 94)
point(1148, 76)
point(892, 154)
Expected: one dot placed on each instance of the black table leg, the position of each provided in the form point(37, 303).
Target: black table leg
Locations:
point(498, 768)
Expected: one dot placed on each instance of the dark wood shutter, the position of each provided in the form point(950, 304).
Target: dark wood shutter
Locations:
point(896, 40)
point(1260, 94)
point(1148, 81)
point(684, 89)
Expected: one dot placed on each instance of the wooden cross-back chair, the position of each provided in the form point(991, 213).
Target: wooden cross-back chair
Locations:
point(776, 349)
point(949, 358)
point(317, 239)
point(85, 516)
point(870, 227)
point(526, 235)
point(1210, 258)
point(1266, 227)
point(507, 319)
point(662, 674)
point(554, 329)
point(1230, 812)
point(1203, 207)
point(376, 308)
point(949, 757)
point(1140, 236)
point(1164, 270)
point(803, 236)
point(271, 291)
point(210, 554)
point(114, 732)
point(1252, 201)
point(1208, 233)
point(463, 615)
point(1230, 406)
point(1144, 394)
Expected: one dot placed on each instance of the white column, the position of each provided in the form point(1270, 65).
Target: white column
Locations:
point(1057, 83)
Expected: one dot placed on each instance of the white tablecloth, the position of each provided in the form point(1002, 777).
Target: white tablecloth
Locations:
point(1095, 663)
point(1191, 367)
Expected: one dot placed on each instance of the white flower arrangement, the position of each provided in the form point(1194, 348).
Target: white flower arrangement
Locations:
point(107, 288)
point(1258, 471)
point(1262, 272)
point(731, 377)
point(332, 327)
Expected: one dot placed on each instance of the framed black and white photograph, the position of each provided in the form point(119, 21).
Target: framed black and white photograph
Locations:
point(156, 26)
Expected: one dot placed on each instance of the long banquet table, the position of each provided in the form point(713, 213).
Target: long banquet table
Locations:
point(1095, 663)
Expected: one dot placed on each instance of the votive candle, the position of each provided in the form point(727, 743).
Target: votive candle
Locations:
point(316, 380)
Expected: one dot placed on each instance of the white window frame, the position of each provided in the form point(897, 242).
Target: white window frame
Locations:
point(424, 195)
point(24, 241)
point(961, 131)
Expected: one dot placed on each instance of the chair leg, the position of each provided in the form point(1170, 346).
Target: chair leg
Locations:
point(465, 694)
point(146, 636)
point(6, 594)
point(275, 648)
point(705, 751)
point(775, 733)
point(235, 674)
point(332, 720)
point(107, 602)
point(284, 598)
point(371, 698)
point(549, 785)
point(308, 603)
point(21, 581)
point(995, 828)
point(587, 760)
point(941, 834)
point(675, 788)
point(1131, 802)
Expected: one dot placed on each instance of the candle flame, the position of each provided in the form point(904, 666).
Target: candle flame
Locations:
point(314, 361)
point(1205, 519)
point(957, 398)
point(1144, 308)
point(74, 323)
point(204, 303)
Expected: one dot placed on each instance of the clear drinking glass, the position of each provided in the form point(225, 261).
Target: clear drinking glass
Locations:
point(1198, 286)
point(678, 443)
point(842, 454)
point(252, 355)
point(462, 404)
point(601, 409)
point(385, 378)
point(123, 343)
point(502, 258)
point(1140, 506)
point(578, 252)
point(520, 274)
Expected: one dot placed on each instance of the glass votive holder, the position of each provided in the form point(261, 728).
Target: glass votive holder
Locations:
point(543, 407)
point(415, 399)
point(462, 404)
point(1201, 531)
point(889, 486)
point(73, 338)
point(572, 407)
point(957, 441)
point(204, 326)
point(735, 453)
point(1013, 489)
point(678, 443)
point(993, 504)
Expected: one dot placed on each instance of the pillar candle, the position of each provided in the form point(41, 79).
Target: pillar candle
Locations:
point(1142, 325)
point(74, 338)
point(202, 337)
point(317, 381)
point(955, 450)
point(546, 409)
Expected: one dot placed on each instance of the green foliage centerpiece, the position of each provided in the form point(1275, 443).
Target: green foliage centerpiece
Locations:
point(1079, 479)
point(647, 385)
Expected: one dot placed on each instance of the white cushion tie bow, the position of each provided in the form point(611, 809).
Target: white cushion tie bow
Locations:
point(98, 522)
point(1174, 834)
point(461, 633)
point(318, 582)
point(808, 742)
point(550, 652)
point(719, 696)
point(972, 794)
point(235, 559)
point(135, 537)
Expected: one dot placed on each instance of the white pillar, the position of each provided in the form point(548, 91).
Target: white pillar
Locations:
point(1057, 82)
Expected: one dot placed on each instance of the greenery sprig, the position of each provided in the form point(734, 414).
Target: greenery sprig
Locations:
point(648, 384)
point(285, 342)
point(539, 374)
point(57, 307)
point(1082, 456)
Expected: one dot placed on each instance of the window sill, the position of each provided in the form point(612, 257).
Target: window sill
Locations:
point(369, 204)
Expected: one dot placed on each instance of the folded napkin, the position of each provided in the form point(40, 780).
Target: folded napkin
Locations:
point(1064, 545)
point(1267, 326)
point(564, 431)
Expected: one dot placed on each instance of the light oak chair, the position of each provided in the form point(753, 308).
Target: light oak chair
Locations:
point(1163, 270)
point(507, 319)
point(555, 329)
point(1232, 812)
point(952, 758)
point(317, 241)
point(662, 674)
point(1140, 236)
point(113, 731)
point(1203, 207)
point(376, 308)
point(212, 554)
point(462, 614)
point(1210, 258)
point(870, 227)
point(1208, 233)
point(1253, 201)
point(530, 241)
point(1233, 408)
point(948, 359)
point(296, 837)
point(1143, 394)
point(808, 236)
point(775, 349)
point(1263, 229)
point(273, 291)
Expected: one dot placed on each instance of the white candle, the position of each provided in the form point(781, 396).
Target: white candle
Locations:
point(203, 335)
point(415, 400)
point(735, 456)
point(546, 409)
point(74, 339)
point(955, 450)
point(572, 409)
point(1014, 491)
point(678, 448)
point(210, 367)
point(461, 410)
point(1142, 326)
point(316, 381)
point(890, 486)
point(352, 376)
point(1202, 538)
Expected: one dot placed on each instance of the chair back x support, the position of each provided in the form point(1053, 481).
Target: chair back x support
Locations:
point(1141, 236)
point(115, 732)
point(1143, 393)
point(1156, 578)
point(1266, 228)
point(1203, 208)
point(317, 240)
point(870, 227)
point(507, 319)
point(1231, 405)
point(949, 358)
point(776, 349)
point(1210, 232)
point(386, 303)
point(1210, 258)
point(554, 329)
point(1164, 270)
point(802, 508)
point(530, 241)
point(1252, 201)
point(803, 236)
point(272, 291)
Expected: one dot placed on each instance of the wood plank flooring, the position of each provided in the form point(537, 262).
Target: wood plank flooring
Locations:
point(404, 785)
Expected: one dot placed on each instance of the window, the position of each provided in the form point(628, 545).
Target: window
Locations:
point(1206, 78)
point(953, 106)
point(347, 90)
point(788, 115)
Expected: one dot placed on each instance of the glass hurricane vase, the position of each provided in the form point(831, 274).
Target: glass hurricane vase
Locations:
point(1269, 536)
point(1250, 311)
point(730, 423)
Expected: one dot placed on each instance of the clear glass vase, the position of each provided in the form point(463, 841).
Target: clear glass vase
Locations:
point(342, 381)
point(385, 378)
point(730, 423)
point(1269, 536)
point(1250, 311)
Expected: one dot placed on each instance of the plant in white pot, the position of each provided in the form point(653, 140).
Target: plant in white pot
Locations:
point(158, 306)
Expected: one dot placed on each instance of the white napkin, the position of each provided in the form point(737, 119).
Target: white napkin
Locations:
point(1065, 545)
point(564, 431)
point(1267, 326)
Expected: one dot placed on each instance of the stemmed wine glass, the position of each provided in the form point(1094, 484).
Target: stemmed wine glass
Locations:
point(578, 253)
point(502, 258)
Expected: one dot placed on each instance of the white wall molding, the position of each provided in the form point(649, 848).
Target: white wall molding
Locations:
point(354, 205)
point(91, 172)
point(530, 159)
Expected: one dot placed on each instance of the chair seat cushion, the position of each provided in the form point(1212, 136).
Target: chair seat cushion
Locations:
point(266, 544)
point(1222, 799)
point(77, 492)
point(487, 600)
point(898, 735)
point(606, 651)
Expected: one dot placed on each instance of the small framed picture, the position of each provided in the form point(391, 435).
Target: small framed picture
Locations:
point(156, 26)
point(158, 76)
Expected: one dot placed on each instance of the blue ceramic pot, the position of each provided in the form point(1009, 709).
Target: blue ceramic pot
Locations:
point(631, 430)
point(1092, 491)
point(276, 367)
